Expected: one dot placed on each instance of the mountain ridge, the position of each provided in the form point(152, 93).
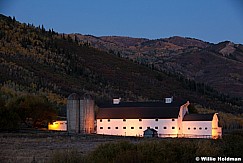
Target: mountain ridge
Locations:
point(34, 60)
point(167, 53)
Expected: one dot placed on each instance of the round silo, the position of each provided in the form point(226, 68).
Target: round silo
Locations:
point(87, 114)
point(73, 105)
point(82, 116)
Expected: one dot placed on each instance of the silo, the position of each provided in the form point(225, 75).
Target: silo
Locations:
point(73, 108)
point(82, 116)
point(87, 114)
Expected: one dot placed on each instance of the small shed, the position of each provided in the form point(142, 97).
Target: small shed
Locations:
point(150, 133)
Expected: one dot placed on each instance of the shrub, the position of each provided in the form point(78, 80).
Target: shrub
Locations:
point(159, 150)
point(67, 156)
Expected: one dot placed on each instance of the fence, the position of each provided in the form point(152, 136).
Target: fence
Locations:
point(186, 136)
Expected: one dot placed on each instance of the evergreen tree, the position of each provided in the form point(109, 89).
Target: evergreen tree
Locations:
point(14, 20)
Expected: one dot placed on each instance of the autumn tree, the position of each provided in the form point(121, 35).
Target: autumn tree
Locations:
point(192, 109)
point(33, 111)
point(9, 120)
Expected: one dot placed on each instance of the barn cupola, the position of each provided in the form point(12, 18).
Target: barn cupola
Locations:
point(169, 100)
point(116, 101)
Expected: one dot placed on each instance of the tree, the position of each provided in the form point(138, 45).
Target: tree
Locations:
point(192, 109)
point(76, 39)
point(9, 120)
point(43, 28)
point(33, 111)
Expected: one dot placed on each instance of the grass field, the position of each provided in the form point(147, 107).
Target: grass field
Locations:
point(41, 146)
point(57, 147)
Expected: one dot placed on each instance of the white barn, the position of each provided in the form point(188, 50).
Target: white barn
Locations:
point(168, 119)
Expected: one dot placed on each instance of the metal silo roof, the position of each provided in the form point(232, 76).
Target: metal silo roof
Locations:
point(87, 96)
point(73, 96)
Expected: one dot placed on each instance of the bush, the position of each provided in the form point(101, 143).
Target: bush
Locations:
point(160, 150)
point(9, 120)
point(67, 156)
point(232, 144)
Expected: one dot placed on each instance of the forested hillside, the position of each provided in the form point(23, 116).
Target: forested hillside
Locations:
point(41, 61)
point(218, 65)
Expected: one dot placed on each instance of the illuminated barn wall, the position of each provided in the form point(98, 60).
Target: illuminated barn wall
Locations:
point(183, 111)
point(135, 127)
point(216, 130)
point(194, 128)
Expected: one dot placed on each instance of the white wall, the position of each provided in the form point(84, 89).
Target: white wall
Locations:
point(135, 123)
point(58, 126)
point(196, 124)
point(183, 111)
point(216, 130)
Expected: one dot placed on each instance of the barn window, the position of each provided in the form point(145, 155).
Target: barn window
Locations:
point(165, 127)
point(179, 128)
point(101, 127)
point(173, 127)
point(108, 120)
point(189, 128)
point(206, 128)
point(109, 127)
point(173, 119)
point(132, 127)
point(156, 127)
point(140, 119)
point(140, 127)
point(116, 127)
point(200, 128)
point(194, 128)
point(56, 123)
point(156, 119)
point(124, 127)
point(124, 120)
point(61, 123)
point(100, 120)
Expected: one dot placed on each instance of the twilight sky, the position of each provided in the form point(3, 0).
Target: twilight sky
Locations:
point(208, 20)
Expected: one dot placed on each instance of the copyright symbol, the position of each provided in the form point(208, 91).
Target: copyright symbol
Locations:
point(197, 159)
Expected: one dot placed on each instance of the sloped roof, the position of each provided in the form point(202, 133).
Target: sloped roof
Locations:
point(150, 129)
point(198, 117)
point(135, 110)
point(73, 96)
point(141, 104)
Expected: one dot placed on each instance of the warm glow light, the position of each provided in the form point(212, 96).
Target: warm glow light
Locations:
point(216, 130)
point(58, 126)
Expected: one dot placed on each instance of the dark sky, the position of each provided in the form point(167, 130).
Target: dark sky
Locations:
point(208, 20)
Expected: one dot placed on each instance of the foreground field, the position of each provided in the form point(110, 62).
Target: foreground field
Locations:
point(57, 147)
point(40, 147)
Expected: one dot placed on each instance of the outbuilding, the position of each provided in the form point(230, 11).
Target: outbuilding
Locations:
point(150, 133)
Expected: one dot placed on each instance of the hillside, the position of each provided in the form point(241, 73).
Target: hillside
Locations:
point(36, 60)
point(218, 65)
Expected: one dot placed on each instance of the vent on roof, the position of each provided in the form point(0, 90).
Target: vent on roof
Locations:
point(168, 100)
point(116, 100)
